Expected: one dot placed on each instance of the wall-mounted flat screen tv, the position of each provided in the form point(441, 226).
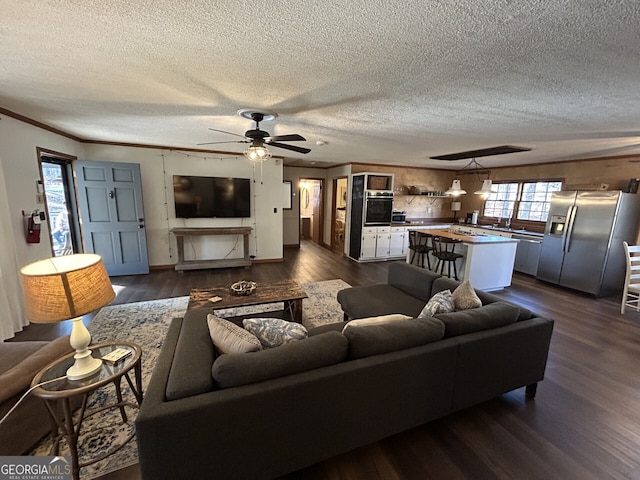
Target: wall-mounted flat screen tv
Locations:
point(211, 197)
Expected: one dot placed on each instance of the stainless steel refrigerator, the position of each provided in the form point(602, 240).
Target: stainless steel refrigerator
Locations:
point(582, 247)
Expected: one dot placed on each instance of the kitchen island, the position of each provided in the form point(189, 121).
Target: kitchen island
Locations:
point(487, 259)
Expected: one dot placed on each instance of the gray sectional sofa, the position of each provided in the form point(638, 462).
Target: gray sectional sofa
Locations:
point(265, 414)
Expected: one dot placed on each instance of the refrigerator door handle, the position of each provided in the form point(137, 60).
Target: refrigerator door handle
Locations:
point(572, 220)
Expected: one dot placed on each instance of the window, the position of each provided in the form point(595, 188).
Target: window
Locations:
point(535, 200)
point(502, 204)
point(529, 199)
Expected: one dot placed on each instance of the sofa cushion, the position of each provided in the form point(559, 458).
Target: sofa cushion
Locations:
point(190, 372)
point(273, 332)
point(441, 302)
point(231, 338)
point(369, 340)
point(412, 280)
point(494, 315)
point(379, 299)
point(379, 320)
point(322, 350)
point(464, 297)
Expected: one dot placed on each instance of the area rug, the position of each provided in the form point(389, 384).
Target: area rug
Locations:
point(146, 324)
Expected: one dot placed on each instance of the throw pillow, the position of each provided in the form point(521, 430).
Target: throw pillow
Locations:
point(441, 302)
point(228, 337)
point(465, 297)
point(273, 332)
point(380, 320)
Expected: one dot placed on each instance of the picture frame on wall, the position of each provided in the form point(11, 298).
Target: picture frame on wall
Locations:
point(342, 197)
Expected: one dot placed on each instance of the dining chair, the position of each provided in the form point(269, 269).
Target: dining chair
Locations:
point(631, 292)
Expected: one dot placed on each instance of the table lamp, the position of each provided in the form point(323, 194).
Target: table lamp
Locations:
point(68, 287)
point(455, 208)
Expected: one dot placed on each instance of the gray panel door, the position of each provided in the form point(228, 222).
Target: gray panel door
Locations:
point(111, 215)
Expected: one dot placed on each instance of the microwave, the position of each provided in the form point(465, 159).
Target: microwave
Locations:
point(398, 217)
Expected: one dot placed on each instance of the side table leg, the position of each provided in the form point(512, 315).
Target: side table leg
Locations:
point(55, 426)
point(72, 434)
point(123, 413)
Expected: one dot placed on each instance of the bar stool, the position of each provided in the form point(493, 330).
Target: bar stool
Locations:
point(443, 250)
point(419, 244)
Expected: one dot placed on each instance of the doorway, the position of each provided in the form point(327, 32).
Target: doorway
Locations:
point(311, 209)
point(59, 199)
point(339, 217)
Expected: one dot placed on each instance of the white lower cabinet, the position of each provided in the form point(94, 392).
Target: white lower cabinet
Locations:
point(398, 242)
point(369, 241)
point(383, 242)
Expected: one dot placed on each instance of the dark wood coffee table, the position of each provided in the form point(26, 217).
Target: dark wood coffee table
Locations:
point(285, 291)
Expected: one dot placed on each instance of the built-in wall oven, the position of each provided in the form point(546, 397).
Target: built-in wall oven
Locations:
point(378, 207)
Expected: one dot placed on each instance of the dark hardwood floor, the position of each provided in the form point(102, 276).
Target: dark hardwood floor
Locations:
point(584, 422)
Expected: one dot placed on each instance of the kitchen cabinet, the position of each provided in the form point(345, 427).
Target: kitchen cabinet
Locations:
point(398, 242)
point(383, 239)
point(368, 246)
point(381, 243)
point(369, 238)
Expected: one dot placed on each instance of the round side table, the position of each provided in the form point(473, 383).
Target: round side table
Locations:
point(57, 395)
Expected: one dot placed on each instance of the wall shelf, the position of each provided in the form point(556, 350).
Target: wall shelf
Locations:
point(432, 198)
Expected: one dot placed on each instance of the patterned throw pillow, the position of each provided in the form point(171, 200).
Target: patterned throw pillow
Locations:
point(441, 302)
point(228, 337)
point(465, 297)
point(273, 332)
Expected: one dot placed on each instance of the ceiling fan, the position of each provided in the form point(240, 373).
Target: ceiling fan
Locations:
point(260, 138)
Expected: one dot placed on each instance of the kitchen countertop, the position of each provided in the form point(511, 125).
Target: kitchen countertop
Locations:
point(517, 231)
point(469, 238)
point(417, 223)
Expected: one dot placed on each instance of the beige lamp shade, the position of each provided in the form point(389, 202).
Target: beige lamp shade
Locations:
point(65, 287)
point(456, 189)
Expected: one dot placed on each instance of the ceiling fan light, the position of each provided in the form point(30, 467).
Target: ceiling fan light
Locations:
point(257, 153)
point(486, 189)
point(455, 189)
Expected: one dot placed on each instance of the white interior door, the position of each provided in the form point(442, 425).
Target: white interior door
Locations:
point(112, 215)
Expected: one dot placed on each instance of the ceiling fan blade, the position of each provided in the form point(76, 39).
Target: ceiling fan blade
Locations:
point(294, 137)
point(229, 133)
point(289, 147)
point(231, 141)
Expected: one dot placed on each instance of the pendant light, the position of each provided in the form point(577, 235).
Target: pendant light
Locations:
point(456, 189)
point(486, 190)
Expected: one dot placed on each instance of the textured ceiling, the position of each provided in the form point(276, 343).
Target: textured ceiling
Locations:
point(381, 81)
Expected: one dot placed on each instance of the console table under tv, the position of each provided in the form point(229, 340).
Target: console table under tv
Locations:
point(181, 232)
